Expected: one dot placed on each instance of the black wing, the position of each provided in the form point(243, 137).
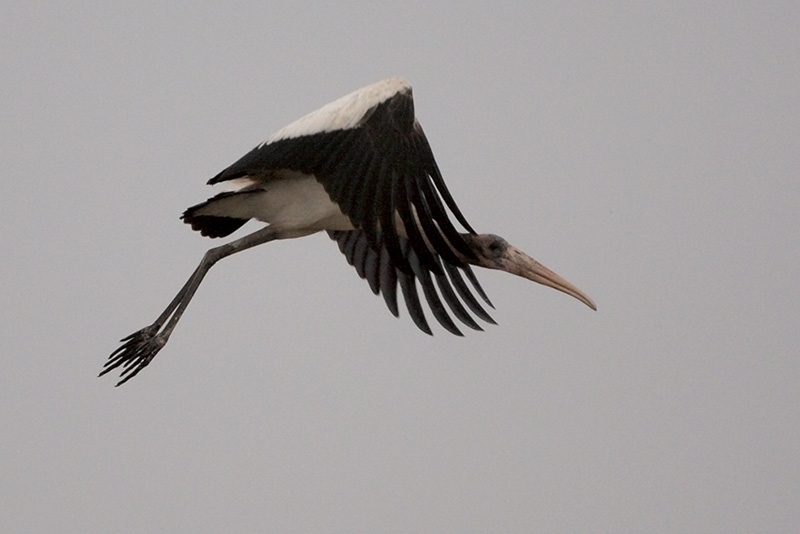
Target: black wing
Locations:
point(377, 172)
point(375, 265)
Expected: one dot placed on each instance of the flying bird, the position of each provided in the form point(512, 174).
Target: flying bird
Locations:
point(361, 169)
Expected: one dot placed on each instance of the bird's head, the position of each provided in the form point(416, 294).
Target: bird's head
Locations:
point(494, 252)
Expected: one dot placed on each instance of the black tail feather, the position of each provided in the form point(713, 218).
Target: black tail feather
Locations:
point(212, 225)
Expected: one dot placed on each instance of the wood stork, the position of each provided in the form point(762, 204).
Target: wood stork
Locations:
point(361, 169)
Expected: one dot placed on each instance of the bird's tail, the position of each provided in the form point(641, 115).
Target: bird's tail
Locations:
point(206, 217)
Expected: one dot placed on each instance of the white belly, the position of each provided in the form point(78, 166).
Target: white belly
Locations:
point(298, 203)
point(292, 202)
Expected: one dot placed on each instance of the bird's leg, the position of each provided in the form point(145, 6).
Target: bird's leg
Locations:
point(139, 348)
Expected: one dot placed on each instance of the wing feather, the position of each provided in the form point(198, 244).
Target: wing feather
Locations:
point(429, 290)
point(375, 265)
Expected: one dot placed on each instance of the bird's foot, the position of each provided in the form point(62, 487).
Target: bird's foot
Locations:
point(137, 350)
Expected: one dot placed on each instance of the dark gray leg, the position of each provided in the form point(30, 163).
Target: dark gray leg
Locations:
point(140, 348)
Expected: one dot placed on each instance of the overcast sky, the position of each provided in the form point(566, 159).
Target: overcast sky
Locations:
point(647, 153)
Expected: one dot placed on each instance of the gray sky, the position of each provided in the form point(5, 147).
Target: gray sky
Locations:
point(648, 154)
